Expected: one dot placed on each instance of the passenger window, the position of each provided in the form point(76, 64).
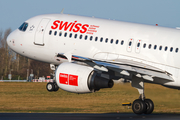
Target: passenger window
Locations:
point(160, 47)
point(86, 37)
point(171, 49)
point(23, 27)
point(106, 40)
point(122, 42)
point(96, 38)
point(111, 40)
point(117, 41)
point(80, 37)
point(130, 43)
point(70, 35)
point(138, 44)
point(55, 32)
point(150, 46)
point(155, 46)
point(91, 37)
point(65, 34)
point(101, 39)
point(60, 33)
point(166, 48)
point(75, 36)
point(50, 32)
point(177, 50)
point(144, 46)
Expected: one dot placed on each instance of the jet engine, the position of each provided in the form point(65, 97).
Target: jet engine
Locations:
point(80, 79)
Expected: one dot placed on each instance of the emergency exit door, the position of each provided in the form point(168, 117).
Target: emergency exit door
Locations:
point(130, 45)
point(39, 35)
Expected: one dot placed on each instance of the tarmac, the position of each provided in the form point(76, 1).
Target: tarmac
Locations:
point(86, 116)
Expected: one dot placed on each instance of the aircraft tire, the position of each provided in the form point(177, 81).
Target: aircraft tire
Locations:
point(139, 106)
point(50, 86)
point(149, 106)
point(56, 88)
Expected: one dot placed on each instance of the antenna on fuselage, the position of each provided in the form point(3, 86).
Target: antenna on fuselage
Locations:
point(62, 11)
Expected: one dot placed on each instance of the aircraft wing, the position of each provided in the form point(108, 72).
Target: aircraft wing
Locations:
point(124, 67)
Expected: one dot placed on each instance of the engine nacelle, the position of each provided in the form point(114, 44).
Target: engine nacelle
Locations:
point(80, 79)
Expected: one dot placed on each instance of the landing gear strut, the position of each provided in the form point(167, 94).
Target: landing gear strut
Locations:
point(141, 105)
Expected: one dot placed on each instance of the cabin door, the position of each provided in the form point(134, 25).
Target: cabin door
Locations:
point(39, 35)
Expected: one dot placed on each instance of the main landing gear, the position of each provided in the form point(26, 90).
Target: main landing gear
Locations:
point(141, 105)
point(52, 86)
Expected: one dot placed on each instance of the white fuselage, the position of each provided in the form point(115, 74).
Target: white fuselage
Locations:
point(37, 43)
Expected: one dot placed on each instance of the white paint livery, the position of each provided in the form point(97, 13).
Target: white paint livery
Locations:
point(141, 53)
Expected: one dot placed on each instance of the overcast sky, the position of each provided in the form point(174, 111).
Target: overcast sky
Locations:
point(163, 12)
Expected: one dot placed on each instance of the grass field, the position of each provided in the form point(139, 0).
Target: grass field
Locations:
point(33, 97)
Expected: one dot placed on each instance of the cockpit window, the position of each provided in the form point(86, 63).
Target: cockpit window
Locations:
point(23, 27)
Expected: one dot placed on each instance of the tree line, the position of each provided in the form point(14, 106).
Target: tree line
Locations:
point(18, 66)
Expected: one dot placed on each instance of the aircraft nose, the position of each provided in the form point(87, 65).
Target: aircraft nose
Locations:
point(9, 40)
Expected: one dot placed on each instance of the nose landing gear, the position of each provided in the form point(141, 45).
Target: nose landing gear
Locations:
point(52, 86)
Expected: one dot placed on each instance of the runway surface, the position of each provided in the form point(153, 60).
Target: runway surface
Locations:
point(81, 116)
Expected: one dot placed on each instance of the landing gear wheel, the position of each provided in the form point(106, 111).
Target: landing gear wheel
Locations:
point(50, 86)
point(56, 88)
point(149, 106)
point(138, 106)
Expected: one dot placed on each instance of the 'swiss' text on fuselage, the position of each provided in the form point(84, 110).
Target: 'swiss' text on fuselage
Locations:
point(74, 27)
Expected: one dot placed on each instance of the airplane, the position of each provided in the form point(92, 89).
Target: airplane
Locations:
point(88, 53)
